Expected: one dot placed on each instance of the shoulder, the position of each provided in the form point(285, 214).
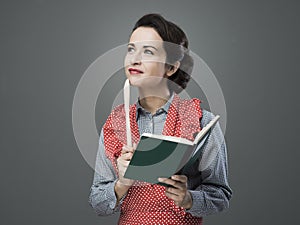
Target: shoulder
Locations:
point(117, 113)
point(118, 109)
point(206, 117)
point(187, 106)
point(184, 101)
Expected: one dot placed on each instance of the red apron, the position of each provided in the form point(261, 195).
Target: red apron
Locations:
point(148, 204)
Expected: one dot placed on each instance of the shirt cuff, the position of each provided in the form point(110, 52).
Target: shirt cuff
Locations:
point(198, 203)
point(112, 198)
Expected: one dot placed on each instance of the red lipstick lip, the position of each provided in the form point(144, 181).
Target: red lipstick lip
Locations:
point(134, 71)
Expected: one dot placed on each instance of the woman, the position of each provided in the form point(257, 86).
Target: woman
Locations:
point(159, 72)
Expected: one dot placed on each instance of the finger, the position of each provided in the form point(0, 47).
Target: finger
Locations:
point(124, 163)
point(178, 199)
point(174, 183)
point(168, 181)
point(134, 146)
point(175, 198)
point(182, 181)
point(126, 156)
point(171, 196)
point(126, 149)
point(174, 191)
point(180, 178)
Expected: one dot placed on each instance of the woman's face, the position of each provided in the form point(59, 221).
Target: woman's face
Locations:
point(145, 59)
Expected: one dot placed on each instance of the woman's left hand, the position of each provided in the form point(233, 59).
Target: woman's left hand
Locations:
point(178, 191)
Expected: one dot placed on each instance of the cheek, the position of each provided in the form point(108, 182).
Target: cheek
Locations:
point(126, 61)
point(155, 68)
point(160, 68)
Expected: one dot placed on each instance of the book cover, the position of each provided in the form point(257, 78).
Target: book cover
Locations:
point(162, 156)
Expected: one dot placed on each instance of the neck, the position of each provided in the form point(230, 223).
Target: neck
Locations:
point(153, 100)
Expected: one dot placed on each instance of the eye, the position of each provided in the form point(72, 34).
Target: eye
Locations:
point(149, 52)
point(130, 49)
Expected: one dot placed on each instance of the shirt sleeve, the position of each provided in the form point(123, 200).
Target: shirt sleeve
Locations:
point(209, 188)
point(102, 194)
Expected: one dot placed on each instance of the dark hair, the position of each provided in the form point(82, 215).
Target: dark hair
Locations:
point(171, 33)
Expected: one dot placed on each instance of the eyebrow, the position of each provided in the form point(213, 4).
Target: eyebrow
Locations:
point(145, 46)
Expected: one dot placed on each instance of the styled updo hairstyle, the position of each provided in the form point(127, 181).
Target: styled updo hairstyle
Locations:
point(171, 33)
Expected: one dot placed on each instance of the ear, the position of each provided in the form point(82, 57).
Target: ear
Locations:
point(171, 69)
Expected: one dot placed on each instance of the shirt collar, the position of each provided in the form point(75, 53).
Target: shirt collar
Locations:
point(165, 107)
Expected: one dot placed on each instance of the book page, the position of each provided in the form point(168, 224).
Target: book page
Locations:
point(169, 138)
point(206, 129)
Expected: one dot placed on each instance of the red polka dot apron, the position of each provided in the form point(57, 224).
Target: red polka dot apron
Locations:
point(147, 203)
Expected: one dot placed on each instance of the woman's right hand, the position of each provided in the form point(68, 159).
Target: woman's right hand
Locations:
point(123, 162)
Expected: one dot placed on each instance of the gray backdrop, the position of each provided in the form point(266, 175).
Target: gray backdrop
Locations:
point(252, 48)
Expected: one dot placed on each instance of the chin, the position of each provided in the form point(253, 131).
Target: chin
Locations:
point(145, 81)
point(136, 81)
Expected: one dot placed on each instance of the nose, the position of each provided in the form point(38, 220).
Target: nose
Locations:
point(136, 59)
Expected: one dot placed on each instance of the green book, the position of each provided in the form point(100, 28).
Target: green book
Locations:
point(163, 156)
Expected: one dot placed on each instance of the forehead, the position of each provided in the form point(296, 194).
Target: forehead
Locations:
point(145, 34)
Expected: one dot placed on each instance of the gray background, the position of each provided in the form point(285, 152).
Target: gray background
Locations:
point(252, 48)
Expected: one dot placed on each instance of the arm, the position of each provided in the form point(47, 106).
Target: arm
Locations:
point(102, 192)
point(209, 189)
point(203, 189)
point(123, 184)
